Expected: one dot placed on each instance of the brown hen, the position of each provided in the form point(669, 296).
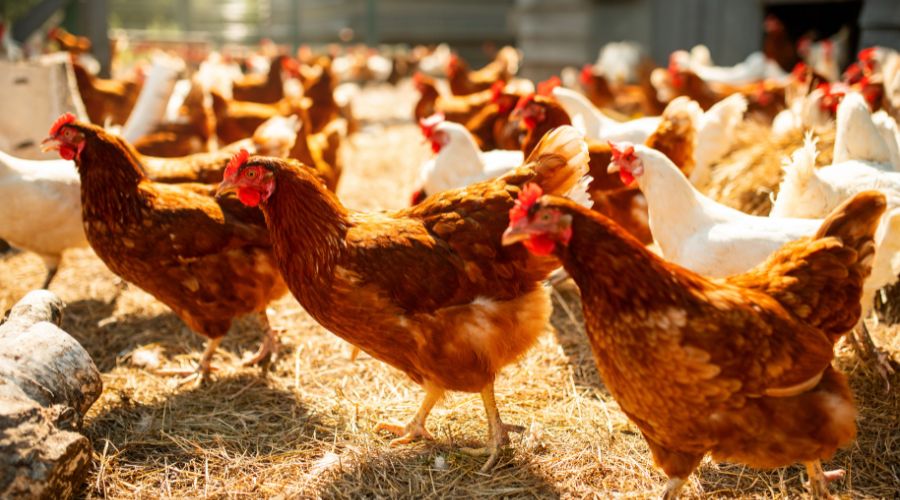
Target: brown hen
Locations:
point(208, 260)
point(739, 368)
point(428, 289)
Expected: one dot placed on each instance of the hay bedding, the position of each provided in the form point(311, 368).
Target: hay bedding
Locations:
point(306, 429)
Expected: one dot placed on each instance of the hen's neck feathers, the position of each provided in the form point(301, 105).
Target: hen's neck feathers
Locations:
point(672, 199)
point(600, 253)
point(857, 137)
point(110, 176)
point(308, 225)
point(461, 155)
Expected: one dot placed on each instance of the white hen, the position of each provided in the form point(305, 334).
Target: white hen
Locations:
point(596, 125)
point(858, 137)
point(150, 108)
point(827, 57)
point(807, 191)
point(459, 162)
point(715, 131)
point(754, 68)
point(806, 112)
point(41, 211)
point(696, 232)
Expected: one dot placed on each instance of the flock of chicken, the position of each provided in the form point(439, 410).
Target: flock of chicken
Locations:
point(713, 328)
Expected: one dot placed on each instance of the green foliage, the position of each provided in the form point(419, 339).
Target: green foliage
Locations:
point(12, 9)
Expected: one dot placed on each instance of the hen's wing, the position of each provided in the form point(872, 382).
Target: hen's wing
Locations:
point(743, 342)
point(820, 279)
point(446, 254)
point(447, 250)
point(186, 219)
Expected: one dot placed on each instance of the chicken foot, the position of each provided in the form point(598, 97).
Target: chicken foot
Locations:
point(269, 347)
point(673, 488)
point(819, 479)
point(203, 369)
point(866, 349)
point(498, 432)
point(415, 429)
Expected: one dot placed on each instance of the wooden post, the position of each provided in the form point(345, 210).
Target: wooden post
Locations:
point(47, 383)
point(96, 22)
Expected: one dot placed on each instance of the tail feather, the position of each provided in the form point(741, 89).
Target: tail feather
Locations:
point(820, 279)
point(886, 267)
point(857, 136)
point(676, 135)
point(890, 134)
point(799, 169)
point(561, 162)
point(715, 133)
point(277, 135)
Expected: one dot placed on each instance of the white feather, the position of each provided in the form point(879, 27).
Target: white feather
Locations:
point(597, 125)
point(858, 137)
point(41, 211)
point(810, 192)
point(701, 234)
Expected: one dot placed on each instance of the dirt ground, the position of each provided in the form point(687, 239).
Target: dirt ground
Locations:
point(306, 429)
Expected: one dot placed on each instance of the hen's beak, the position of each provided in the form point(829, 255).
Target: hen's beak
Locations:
point(515, 234)
point(50, 144)
point(612, 168)
point(225, 187)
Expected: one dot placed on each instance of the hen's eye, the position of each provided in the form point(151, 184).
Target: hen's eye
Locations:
point(251, 173)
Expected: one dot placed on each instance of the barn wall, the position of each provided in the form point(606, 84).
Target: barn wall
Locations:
point(558, 33)
point(880, 23)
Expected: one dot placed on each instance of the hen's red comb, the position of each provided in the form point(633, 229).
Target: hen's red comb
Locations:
point(853, 73)
point(65, 119)
point(772, 24)
point(622, 151)
point(546, 87)
point(237, 160)
point(867, 54)
point(799, 71)
point(525, 100)
point(674, 70)
point(527, 198)
point(497, 90)
point(587, 74)
point(427, 125)
point(453, 62)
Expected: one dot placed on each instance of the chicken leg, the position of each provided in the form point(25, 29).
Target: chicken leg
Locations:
point(268, 349)
point(673, 488)
point(52, 264)
point(819, 479)
point(416, 427)
point(866, 349)
point(204, 367)
point(498, 432)
point(51, 272)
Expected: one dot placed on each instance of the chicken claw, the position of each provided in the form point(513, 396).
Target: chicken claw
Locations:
point(819, 479)
point(269, 347)
point(201, 372)
point(498, 441)
point(416, 428)
point(498, 432)
point(673, 488)
point(407, 433)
